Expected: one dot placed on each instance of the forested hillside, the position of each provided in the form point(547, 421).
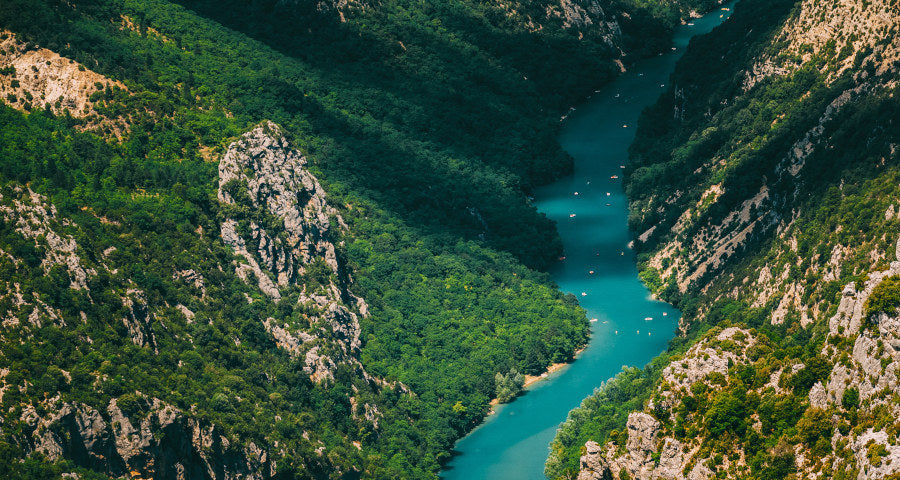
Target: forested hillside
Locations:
point(764, 196)
point(282, 239)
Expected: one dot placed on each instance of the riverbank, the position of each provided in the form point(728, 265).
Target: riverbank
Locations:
point(591, 212)
point(532, 379)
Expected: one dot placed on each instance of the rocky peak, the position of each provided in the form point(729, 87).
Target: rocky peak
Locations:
point(266, 174)
point(283, 229)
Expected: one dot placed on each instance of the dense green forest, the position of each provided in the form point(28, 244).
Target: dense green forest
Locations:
point(769, 201)
point(428, 125)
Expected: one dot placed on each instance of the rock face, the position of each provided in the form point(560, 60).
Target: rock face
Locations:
point(852, 24)
point(39, 78)
point(650, 452)
point(599, 463)
point(704, 359)
point(588, 18)
point(593, 464)
point(35, 219)
point(156, 441)
point(871, 371)
point(284, 231)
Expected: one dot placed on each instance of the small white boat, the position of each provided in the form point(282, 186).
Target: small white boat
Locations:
point(583, 294)
point(591, 272)
point(621, 166)
point(593, 320)
point(647, 319)
point(576, 193)
point(690, 24)
point(624, 126)
point(607, 194)
point(571, 215)
point(614, 177)
point(665, 314)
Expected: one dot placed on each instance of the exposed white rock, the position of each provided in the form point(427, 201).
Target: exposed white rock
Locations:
point(193, 279)
point(43, 78)
point(262, 172)
point(870, 468)
point(35, 218)
point(704, 359)
point(161, 442)
point(187, 312)
point(593, 463)
point(139, 318)
point(818, 397)
point(852, 24)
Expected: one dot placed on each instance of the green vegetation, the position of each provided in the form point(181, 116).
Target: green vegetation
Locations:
point(814, 227)
point(885, 297)
point(508, 385)
point(599, 417)
point(427, 124)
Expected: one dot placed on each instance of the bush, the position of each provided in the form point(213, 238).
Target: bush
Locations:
point(508, 386)
point(885, 298)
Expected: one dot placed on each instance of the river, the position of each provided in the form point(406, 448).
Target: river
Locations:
point(590, 209)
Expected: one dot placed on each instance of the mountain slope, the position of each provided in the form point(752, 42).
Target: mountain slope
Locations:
point(281, 239)
point(764, 191)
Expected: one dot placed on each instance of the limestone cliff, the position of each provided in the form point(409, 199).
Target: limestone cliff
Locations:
point(764, 204)
point(647, 450)
point(154, 440)
point(694, 231)
point(284, 231)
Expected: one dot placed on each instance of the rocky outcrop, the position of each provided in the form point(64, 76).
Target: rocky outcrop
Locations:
point(37, 78)
point(283, 230)
point(637, 461)
point(651, 452)
point(707, 357)
point(35, 219)
point(870, 370)
point(138, 319)
point(588, 18)
point(844, 26)
point(154, 440)
point(593, 463)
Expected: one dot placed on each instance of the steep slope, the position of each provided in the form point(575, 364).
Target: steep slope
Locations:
point(764, 192)
point(183, 299)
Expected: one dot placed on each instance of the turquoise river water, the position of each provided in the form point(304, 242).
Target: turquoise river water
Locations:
point(630, 327)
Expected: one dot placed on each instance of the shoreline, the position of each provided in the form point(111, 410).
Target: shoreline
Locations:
point(532, 379)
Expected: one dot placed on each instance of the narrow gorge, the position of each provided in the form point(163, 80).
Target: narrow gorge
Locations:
point(763, 201)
